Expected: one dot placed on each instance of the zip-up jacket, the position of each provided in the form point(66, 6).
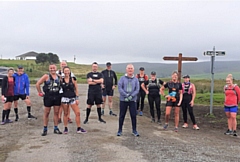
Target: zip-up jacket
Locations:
point(21, 85)
point(128, 86)
point(5, 85)
point(108, 76)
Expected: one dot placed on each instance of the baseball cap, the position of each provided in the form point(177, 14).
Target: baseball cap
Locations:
point(186, 76)
point(141, 68)
point(108, 64)
point(153, 73)
point(20, 67)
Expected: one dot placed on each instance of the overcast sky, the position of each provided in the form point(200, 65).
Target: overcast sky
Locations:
point(125, 31)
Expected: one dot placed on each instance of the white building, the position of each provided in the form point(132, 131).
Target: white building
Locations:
point(27, 56)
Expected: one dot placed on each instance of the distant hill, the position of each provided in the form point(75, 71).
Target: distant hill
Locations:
point(199, 70)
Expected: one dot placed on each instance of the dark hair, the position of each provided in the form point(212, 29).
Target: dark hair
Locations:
point(95, 63)
point(66, 67)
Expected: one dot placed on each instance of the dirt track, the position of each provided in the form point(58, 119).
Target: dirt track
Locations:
point(22, 141)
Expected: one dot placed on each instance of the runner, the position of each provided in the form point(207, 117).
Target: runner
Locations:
point(51, 97)
point(94, 79)
point(21, 90)
point(60, 72)
point(189, 94)
point(232, 93)
point(108, 87)
point(142, 77)
point(174, 99)
point(128, 88)
point(70, 97)
point(152, 89)
point(7, 95)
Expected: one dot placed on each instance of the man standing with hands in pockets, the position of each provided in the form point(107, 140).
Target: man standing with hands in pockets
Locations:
point(128, 88)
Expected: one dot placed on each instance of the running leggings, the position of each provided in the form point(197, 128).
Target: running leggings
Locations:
point(186, 107)
point(157, 100)
point(141, 97)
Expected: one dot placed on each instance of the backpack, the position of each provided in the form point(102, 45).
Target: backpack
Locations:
point(190, 89)
point(151, 82)
point(226, 87)
point(144, 76)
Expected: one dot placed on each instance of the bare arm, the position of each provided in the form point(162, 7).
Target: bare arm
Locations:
point(40, 81)
point(75, 85)
point(193, 94)
point(144, 87)
point(162, 91)
point(181, 96)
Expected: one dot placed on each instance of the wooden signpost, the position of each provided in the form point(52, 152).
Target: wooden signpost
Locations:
point(180, 59)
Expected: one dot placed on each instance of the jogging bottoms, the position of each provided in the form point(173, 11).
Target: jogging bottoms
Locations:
point(141, 98)
point(123, 110)
point(186, 107)
point(157, 100)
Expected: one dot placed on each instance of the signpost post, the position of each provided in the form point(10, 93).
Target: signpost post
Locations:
point(180, 59)
point(213, 54)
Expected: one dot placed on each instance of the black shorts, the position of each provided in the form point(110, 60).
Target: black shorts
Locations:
point(9, 99)
point(94, 98)
point(22, 96)
point(173, 104)
point(107, 92)
point(52, 101)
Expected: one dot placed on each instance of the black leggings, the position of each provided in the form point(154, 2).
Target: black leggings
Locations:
point(141, 97)
point(187, 107)
point(157, 100)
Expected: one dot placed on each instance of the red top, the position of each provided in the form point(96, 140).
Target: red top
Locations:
point(10, 91)
point(232, 96)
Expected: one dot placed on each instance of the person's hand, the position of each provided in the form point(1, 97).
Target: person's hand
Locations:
point(103, 86)
point(40, 94)
point(3, 98)
point(126, 99)
point(90, 79)
point(77, 102)
point(191, 103)
point(166, 96)
point(147, 92)
point(130, 98)
point(27, 97)
point(179, 104)
point(113, 87)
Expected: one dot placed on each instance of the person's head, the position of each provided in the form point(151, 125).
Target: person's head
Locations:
point(229, 79)
point(186, 78)
point(141, 70)
point(174, 76)
point(10, 72)
point(94, 66)
point(66, 71)
point(109, 65)
point(20, 69)
point(52, 68)
point(153, 75)
point(130, 69)
point(63, 64)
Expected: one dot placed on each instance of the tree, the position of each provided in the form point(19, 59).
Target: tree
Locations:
point(41, 58)
point(53, 58)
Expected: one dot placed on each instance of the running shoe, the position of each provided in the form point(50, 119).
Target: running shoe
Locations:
point(176, 129)
point(2, 123)
point(165, 126)
point(195, 127)
point(31, 117)
point(228, 132)
point(16, 118)
point(140, 113)
point(153, 120)
point(135, 133)
point(185, 125)
point(81, 130)
point(119, 133)
point(159, 122)
point(8, 121)
point(57, 131)
point(44, 133)
point(235, 133)
point(69, 120)
point(65, 130)
point(102, 121)
point(85, 121)
point(111, 113)
point(102, 112)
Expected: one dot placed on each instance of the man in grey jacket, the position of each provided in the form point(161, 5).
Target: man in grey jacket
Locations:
point(128, 87)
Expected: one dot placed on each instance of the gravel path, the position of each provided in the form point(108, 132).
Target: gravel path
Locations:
point(22, 141)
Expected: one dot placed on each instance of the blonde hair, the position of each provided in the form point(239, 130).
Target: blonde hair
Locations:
point(230, 77)
point(174, 72)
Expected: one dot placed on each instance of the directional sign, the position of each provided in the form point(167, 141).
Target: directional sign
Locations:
point(217, 53)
